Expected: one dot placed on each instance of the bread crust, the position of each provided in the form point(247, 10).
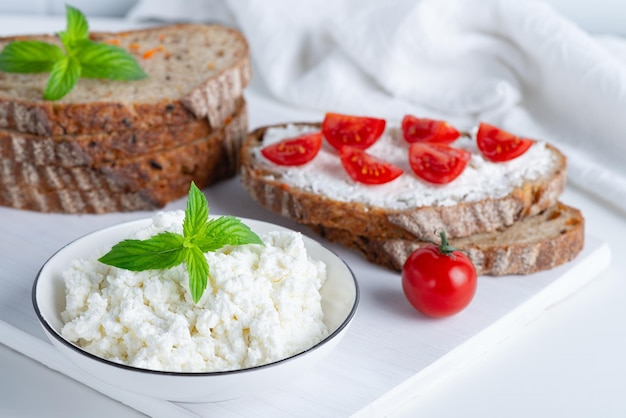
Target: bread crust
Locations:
point(421, 223)
point(100, 148)
point(118, 105)
point(146, 182)
point(536, 243)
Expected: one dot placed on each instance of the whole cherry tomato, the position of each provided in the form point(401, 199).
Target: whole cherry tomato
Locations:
point(439, 280)
point(366, 168)
point(355, 131)
point(294, 151)
point(428, 130)
point(437, 163)
point(498, 145)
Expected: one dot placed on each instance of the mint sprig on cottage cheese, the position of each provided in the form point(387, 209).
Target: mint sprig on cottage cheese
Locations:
point(169, 249)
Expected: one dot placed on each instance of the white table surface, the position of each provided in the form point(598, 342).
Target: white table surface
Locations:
point(569, 362)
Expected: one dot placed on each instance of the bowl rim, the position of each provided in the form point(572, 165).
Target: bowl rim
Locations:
point(51, 331)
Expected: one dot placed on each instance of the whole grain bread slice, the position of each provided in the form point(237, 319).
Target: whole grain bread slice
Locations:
point(75, 201)
point(535, 243)
point(137, 172)
point(194, 71)
point(144, 183)
point(268, 188)
point(100, 148)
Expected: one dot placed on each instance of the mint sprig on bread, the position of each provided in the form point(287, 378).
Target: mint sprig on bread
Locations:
point(79, 57)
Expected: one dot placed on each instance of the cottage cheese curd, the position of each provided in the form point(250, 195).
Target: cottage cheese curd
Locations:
point(262, 304)
point(481, 178)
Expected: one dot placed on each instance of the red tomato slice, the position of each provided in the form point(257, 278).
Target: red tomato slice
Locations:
point(428, 130)
point(354, 131)
point(294, 151)
point(367, 169)
point(437, 163)
point(498, 145)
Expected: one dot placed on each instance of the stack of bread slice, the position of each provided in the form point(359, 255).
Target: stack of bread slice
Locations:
point(521, 228)
point(127, 145)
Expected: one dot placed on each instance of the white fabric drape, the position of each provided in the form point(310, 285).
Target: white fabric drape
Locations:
point(514, 63)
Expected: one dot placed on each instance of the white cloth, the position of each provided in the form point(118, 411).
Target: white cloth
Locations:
point(514, 63)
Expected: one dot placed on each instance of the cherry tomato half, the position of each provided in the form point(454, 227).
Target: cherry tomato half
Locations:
point(498, 145)
point(439, 280)
point(367, 169)
point(355, 131)
point(437, 163)
point(428, 130)
point(294, 151)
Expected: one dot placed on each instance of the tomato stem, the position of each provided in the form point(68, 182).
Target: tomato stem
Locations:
point(445, 248)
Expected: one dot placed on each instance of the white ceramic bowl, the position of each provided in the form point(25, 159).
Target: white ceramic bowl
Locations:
point(340, 296)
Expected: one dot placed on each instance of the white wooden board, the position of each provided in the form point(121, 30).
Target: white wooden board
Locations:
point(390, 354)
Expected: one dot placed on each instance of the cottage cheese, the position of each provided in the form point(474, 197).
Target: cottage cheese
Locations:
point(481, 178)
point(262, 304)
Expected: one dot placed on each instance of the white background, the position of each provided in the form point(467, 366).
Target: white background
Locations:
point(568, 363)
point(598, 17)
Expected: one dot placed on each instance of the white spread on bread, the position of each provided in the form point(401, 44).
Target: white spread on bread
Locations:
point(481, 179)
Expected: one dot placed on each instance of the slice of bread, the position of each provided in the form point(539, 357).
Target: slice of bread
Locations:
point(194, 71)
point(99, 148)
point(535, 243)
point(137, 172)
point(274, 187)
point(146, 182)
point(73, 201)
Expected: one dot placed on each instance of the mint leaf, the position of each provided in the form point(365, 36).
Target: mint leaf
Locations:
point(77, 27)
point(168, 249)
point(196, 214)
point(161, 251)
point(107, 61)
point(29, 57)
point(226, 230)
point(82, 58)
point(63, 78)
point(198, 270)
